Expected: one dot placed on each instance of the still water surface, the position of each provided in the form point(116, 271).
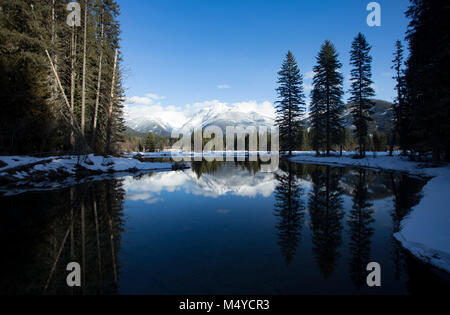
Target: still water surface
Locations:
point(220, 228)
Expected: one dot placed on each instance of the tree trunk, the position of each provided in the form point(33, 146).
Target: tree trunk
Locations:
point(83, 87)
point(99, 83)
point(72, 86)
point(111, 104)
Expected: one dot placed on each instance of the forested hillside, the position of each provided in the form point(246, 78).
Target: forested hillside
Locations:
point(60, 85)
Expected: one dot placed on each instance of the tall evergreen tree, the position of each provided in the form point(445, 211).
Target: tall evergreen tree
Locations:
point(62, 93)
point(326, 96)
point(291, 103)
point(400, 113)
point(428, 77)
point(361, 89)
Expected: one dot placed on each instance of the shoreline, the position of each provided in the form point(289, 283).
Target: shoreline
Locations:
point(425, 233)
point(22, 173)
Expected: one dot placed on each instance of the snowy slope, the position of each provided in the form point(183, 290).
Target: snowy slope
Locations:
point(223, 116)
point(220, 115)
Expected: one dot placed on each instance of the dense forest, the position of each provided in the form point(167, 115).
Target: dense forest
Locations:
point(420, 124)
point(61, 87)
point(60, 77)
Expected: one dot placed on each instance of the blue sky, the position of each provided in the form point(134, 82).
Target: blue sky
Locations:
point(179, 52)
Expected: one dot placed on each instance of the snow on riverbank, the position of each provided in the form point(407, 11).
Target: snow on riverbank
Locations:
point(426, 231)
point(379, 160)
point(69, 164)
point(22, 171)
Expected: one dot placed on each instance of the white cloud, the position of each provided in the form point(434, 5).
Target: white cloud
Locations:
point(148, 99)
point(206, 104)
point(223, 86)
point(155, 96)
point(138, 100)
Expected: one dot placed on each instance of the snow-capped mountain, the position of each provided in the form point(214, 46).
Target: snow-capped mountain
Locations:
point(223, 116)
point(219, 114)
point(146, 125)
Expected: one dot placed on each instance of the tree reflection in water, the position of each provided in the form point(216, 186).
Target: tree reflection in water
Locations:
point(326, 212)
point(290, 210)
point(360, 221)
point(43, 233)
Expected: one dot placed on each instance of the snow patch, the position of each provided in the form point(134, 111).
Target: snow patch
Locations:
point(426, 231)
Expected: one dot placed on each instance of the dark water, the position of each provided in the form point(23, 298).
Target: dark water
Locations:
point(220, 228)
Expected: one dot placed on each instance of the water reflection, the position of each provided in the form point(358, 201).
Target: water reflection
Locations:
point(44, 232)
point(234, 226)
point(289, 208)
point(360, 221)
point(326, 212)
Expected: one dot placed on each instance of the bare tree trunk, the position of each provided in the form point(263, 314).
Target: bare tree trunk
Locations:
point(70, 120)
point(54, 90)
point(99, 84)
point(83, 88)
point(111, 105)
point(72, 85)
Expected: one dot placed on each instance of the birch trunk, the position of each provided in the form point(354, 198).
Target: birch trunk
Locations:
point(72, 85)
point(111, 105)
point(83, 87)
point(99, 84)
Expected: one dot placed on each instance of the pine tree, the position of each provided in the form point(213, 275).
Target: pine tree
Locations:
point(326, 98)
point(400, 114)
point(361, 89)
point(291, 104)
point(53, 81)
point(427, 77)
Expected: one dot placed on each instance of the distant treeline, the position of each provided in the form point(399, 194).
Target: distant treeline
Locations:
point(421, 120)
point(145, 142)
point(60, 85)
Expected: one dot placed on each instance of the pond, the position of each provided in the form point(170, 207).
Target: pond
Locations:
point(218, 228)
